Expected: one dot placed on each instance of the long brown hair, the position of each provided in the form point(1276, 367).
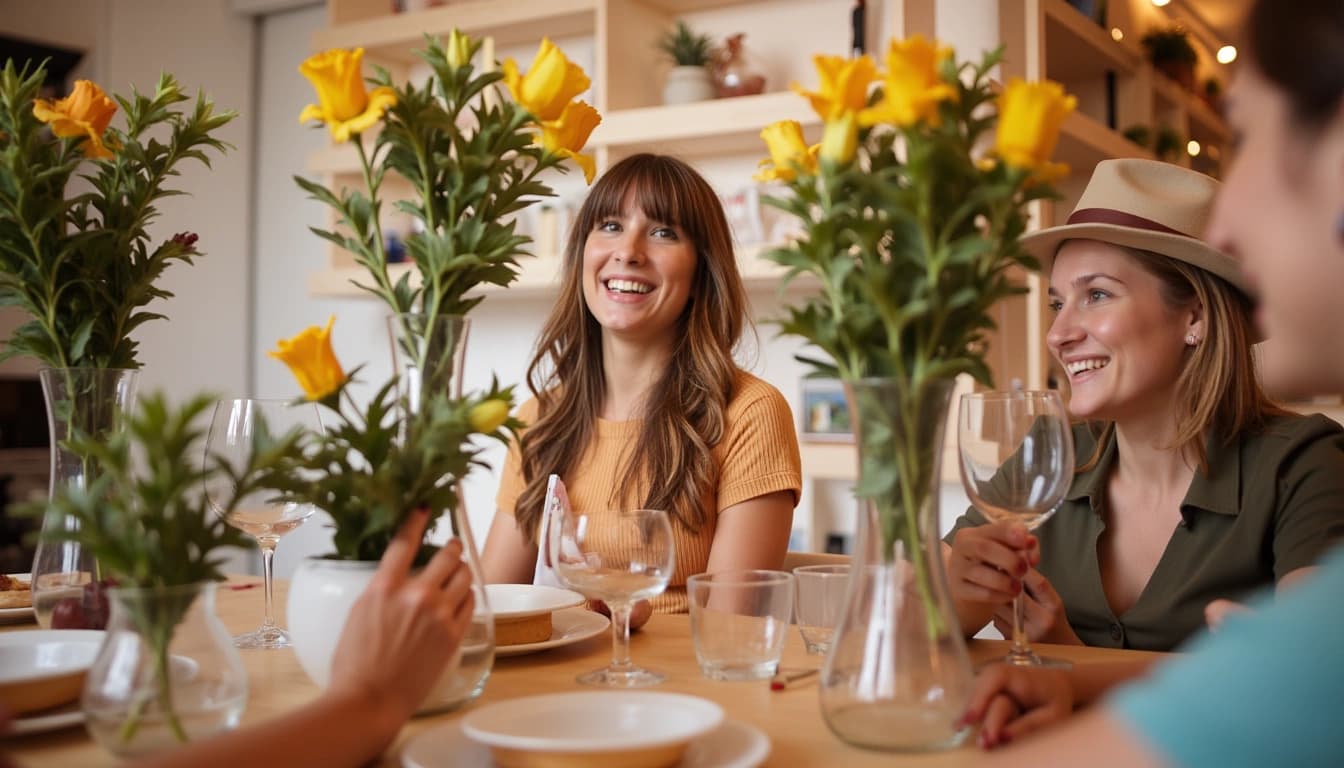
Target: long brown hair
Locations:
point(1218, 393)
point(683, 415)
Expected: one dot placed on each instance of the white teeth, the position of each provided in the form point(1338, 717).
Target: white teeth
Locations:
point(1078, 366)
point(628, 286)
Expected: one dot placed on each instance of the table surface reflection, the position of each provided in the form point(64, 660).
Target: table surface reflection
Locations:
point(791, 718)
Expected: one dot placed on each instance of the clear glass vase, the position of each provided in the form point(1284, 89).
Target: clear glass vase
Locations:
point(428, 357)
point(67, 586)
point(167, 672)
point(897, 676)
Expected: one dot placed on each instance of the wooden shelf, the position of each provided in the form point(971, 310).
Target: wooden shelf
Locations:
point(704, 128)
point(1079, 48)
point(395, 36)
point(1083, 142)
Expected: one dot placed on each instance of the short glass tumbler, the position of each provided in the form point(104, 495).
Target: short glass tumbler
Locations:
point(821, 600)
point(738, 622)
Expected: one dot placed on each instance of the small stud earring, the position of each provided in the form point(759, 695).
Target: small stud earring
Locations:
point(1191, 339)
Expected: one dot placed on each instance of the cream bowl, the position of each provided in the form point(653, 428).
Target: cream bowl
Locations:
point(523, 611)
point(45, 668)
point(593, 729)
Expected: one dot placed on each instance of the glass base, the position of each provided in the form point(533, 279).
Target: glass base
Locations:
point(264, 638)
point(1028, 659)
point(635, 677)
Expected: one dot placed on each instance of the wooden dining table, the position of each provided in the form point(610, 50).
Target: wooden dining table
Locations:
point(791, 718)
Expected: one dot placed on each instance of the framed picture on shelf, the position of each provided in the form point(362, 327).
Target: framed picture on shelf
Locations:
point(825, 412)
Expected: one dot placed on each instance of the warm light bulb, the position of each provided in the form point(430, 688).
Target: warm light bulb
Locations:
point(1227, 54)
point(1116, 34)
point(1192, 147)
point(1160, 3)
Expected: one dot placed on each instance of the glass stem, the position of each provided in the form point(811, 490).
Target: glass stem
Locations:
point(267, 574)
point(620, 637)
point(1021, 652)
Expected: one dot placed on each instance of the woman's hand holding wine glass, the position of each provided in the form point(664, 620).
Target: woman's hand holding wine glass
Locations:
point(1017, 464)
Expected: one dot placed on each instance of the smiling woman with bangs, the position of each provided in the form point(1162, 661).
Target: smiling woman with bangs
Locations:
point(638, 401)
point(1193, 488)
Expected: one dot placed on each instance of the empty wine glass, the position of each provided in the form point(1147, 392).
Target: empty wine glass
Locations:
point(617, 557)
point(232, 430)
point(1016, 464)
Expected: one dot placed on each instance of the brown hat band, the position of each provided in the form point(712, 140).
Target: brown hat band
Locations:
point(1119, 219)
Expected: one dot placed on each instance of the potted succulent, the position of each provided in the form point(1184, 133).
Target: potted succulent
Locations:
point(690, 53)
point(1171, 53)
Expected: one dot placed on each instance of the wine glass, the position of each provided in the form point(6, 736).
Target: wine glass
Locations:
point(259, 514)
point(1016, 464)
point(618, 557)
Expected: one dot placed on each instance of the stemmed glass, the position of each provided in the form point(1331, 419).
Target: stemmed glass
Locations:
point(619, 558)
point(1016, 464)
point(259, 514)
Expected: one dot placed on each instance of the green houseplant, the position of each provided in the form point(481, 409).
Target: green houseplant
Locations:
point(690, 53)
point(1170, 51)
point(910, 228)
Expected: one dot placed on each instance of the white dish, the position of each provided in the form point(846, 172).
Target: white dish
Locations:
point(65, 717)
point(45, 668)
point(518, 601)
point(612, 726)
point(17, 615)
point(572, 625)
point(732, 745)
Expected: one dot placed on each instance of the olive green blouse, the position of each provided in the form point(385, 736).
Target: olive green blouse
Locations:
point(1271, 503)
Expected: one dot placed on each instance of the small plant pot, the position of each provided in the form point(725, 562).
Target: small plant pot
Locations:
point(687, 84)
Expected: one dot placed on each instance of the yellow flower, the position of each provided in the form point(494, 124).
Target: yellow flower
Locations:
point(488, 415)
point(343, 103)
point(552, 83)
point(458, 49)
point(312, 361)
point(841, 139)
point(912, 87)
point(788, 152)
point(566, 136)
point(1030, 117)
point(844, 85)
point(87, 112)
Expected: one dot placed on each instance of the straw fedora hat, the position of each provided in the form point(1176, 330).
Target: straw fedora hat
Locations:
point(1148, 205)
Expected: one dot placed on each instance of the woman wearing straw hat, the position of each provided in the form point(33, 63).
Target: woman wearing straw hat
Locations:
point(1192, 486)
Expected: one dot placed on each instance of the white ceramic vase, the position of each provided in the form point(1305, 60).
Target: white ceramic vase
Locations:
point(320, 597)
point(688, 84)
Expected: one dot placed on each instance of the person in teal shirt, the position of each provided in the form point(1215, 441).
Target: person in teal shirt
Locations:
point(1265, 689)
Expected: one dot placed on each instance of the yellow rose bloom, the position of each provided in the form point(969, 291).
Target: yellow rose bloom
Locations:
point(312, 361)
point(1030, 118)
point(343, 103)
point(552, 83)
point(488, 415)
point(567, 135)
point(844, 85)
point(912, 88)
point(788, 152)
point(86, 112)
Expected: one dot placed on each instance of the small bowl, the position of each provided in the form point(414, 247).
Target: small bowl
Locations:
point(592, 729)
point(523, 611)
point(45, 668)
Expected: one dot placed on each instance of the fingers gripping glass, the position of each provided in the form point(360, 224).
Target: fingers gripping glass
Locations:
point(1016, 453)
point(620, 558)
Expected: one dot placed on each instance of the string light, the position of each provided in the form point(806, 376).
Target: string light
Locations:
point(1192, 147)
point(1227, 54)
point(1160, 3)
point(1116, 34)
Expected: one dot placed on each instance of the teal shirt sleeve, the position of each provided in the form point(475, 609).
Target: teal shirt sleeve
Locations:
point(1267, 689)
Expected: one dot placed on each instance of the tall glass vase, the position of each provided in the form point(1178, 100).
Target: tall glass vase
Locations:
point(428, 355)
point(67, 587)
point(897, 676)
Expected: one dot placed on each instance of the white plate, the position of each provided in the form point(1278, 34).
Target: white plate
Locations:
point(65, 717)
point(518, 601)
point(572, 625)
point(18, 615)
point(733, 745)
point(590, 722)
point(42, 653)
